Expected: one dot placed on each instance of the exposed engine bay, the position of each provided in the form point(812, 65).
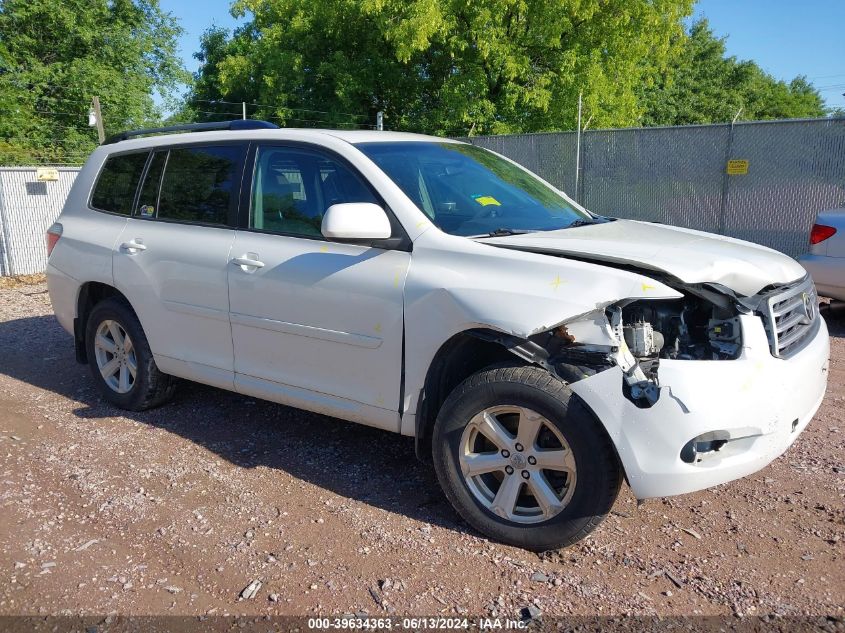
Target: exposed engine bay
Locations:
point(685, 329)
point(635, 335)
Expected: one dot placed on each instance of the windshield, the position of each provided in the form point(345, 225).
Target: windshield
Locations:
point(466, 190)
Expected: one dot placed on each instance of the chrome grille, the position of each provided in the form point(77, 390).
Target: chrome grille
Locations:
point(791, 316)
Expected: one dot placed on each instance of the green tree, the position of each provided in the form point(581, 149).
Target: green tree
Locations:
point(704, 85)
point(443, 66)
point(206, 101)
point(54, 56)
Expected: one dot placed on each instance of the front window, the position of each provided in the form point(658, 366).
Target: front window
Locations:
point(292, 188)
point(466, 190)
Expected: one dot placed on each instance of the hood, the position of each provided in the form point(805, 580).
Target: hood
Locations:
point(688, 255)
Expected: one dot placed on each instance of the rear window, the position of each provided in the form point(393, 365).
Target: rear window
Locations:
point(118, 181)
point(200, 184)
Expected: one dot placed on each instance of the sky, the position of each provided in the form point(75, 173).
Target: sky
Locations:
point(785, 37)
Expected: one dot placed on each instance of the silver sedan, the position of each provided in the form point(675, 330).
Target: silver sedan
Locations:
point(826, 259)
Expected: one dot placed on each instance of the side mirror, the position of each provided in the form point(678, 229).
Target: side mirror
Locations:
point(355, 221)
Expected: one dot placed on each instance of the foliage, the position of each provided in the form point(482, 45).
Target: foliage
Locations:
point(448, 67)
point(54, 56)
point(204, 101)
point(703, 85)
point(443, 66)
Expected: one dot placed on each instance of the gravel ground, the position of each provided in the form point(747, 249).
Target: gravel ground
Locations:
point(178, 510)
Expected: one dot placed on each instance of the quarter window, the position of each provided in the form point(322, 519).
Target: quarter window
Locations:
point(200, 184)
point(292, 188)
point(148, 198)
point(118, 181)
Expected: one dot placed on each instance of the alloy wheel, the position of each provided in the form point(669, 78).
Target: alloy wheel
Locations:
point(517, 464)
point(115, 356)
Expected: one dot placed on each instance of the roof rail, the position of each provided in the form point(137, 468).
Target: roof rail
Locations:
point(235, 124)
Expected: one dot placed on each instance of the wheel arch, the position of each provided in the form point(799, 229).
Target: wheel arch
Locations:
point(464, 354)
point(90, 294)
point(458, 357)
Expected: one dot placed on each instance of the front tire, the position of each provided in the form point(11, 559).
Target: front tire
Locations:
point(523, 460)
point(120, 359)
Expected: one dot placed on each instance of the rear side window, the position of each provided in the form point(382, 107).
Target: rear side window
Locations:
point(118, 181)
point(200, 184)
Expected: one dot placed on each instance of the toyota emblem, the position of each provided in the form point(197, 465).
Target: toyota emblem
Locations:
point(809, 306)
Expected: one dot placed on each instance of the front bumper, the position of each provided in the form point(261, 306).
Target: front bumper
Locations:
point(759, 403)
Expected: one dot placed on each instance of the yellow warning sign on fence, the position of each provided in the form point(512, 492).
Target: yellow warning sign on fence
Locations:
point(737, 167)
point(43, 174)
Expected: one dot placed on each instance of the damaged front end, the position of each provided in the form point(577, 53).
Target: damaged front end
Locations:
point(694, 383)
point(635, 334)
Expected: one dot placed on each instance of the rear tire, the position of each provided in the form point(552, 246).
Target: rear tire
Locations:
point(120, 359)
point(523, 460)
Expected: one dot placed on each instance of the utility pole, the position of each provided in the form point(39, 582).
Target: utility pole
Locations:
point(380, 120)
point(243, 103)
point(98, 119)
point(726, 176)
point(578, 149)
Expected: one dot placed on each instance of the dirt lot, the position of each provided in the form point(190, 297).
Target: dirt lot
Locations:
point(177, 510)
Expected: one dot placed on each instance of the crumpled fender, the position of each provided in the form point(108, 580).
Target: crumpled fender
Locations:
point(456, 287)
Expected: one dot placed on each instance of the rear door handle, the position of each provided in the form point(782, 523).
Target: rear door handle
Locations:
point(248, 261)
point(133, 246)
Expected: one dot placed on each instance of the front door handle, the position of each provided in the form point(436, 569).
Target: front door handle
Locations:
point(250, 260)
point(133, 246)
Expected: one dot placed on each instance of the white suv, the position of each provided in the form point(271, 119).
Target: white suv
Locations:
point(538, 353)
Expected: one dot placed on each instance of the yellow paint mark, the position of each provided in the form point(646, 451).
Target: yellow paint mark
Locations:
point(324, 249)
point(759, 367)
point(380, 400)
point(646, 288)
point(377, 328)
point(422, 224)
point(556, 282)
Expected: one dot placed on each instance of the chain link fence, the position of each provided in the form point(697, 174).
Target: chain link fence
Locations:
point(28, 206)
point(782, 174)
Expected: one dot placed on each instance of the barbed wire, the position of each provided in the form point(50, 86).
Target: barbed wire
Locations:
point(66, 146)
point(80, 128)
point(233, 116)
point(39, 151)
point(236, 115)
point(26, 161)
point(64, 141)
point(277, 106)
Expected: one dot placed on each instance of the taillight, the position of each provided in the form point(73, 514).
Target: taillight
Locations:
point(820, 232)
point(53, 235)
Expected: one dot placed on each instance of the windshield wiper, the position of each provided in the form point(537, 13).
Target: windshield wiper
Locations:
point(505, 231)
point(581, 222)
